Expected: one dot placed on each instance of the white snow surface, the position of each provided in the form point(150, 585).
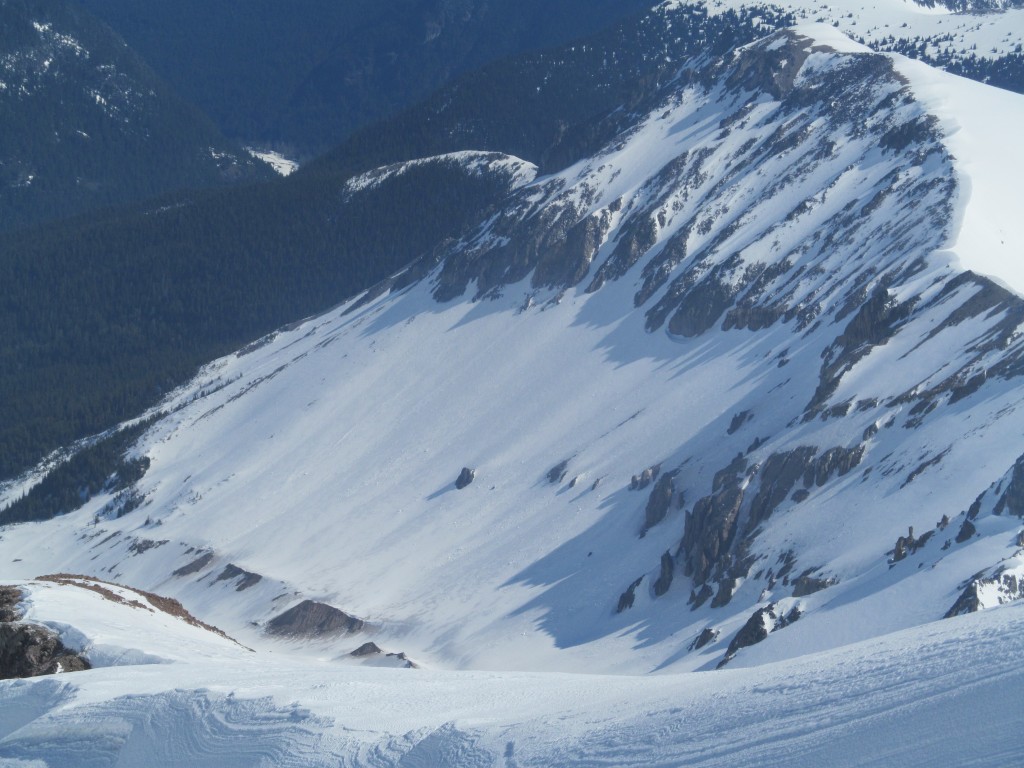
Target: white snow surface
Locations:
point(981, 126)
point(282, 165)
point(944, 693)
point(121, 627)
point(519, 171)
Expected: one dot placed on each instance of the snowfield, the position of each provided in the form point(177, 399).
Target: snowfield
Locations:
point(947, 692)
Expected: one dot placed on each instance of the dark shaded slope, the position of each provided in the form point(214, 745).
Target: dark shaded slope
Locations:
point(308, 72)
point(87, 124)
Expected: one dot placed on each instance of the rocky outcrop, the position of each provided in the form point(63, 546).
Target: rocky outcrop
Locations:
point(668, 566)
point(711, 526)
point(196, 565)
point(10, 597)
point(627, 598)
point(967, 530)
point(30, 650)
point(707, 635)
point(367, 649)
point(808, 585)
point(981, 593)
point(721, 527)
point(1012, 500)
point(466, 476)
point(645, 478)
point(245, 578)
point(558, 472)
point(310, 619)
point(659, 502)
point(761, 623)
point(874, 323)
point(779, 473)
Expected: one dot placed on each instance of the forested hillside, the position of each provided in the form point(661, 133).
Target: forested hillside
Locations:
point(86, 123)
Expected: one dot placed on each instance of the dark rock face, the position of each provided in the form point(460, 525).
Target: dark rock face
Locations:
point(698, 598)
point(645, 478)
point(808, 585)
point(557, 473)
point(875, 322)
point(659, 501)
point(707, 635)
point(311, 619)
point(9, 599)
point(726, 589)
point(466, 476)
point(141, 546)
point(196, 565)
point(29, 650)
point(779, 474)
point(738, 420)
point(720, 528)
point(1002, 588)
point(967, 530)
point(627, 598)
point(367, 649)
point(711, 526)
point(761, 623)
point(1012, 500)
point(664, 581)
point(246, 579)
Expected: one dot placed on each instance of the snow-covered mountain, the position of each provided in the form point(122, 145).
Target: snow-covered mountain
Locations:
point(740, 390)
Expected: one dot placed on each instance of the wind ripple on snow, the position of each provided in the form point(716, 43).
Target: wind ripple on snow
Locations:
point(175, 728)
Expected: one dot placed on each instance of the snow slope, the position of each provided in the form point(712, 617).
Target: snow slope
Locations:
point(907, 699)
point(978, 124)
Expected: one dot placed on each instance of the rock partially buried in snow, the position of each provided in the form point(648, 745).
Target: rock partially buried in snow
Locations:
point(30, 650)
point(366, 649)
point(466, 476)
point(313, 619)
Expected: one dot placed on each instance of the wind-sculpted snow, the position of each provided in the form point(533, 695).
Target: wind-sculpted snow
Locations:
point(906, 699)
point(173, 728)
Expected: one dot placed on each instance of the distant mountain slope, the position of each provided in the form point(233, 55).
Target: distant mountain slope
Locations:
point(86, 124)
point(305, 74)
